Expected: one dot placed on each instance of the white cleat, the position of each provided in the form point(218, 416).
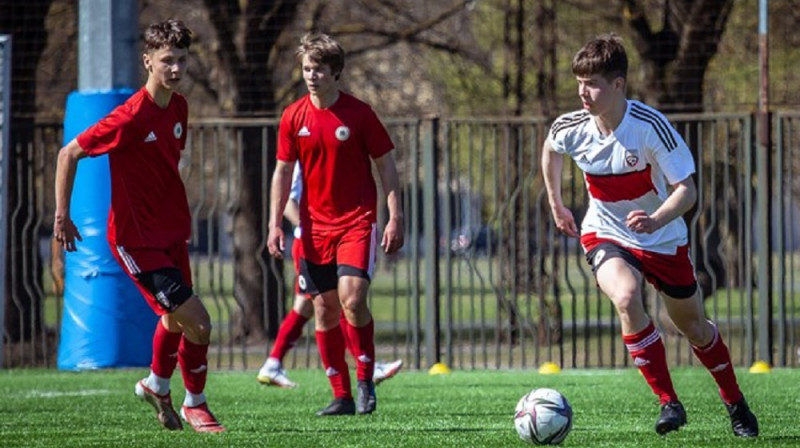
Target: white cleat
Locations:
point(386, 370)
point(272, 374)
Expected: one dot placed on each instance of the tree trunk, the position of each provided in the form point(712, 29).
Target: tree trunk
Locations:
point(675, 60)
point(258, 278)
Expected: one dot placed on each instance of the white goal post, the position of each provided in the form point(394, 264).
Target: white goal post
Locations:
point(5, 118)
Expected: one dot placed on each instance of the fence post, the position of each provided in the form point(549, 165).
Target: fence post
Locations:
point(764, 197)
point(5, 117)
point(431, 229)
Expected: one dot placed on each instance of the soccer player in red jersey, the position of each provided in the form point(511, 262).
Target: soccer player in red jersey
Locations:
point(334, 136)
point(272, 372)
point(633, 229)
point(149, 221)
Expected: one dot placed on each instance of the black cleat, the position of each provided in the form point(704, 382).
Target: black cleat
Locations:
point(367, 402)
point(673, 416)
point(743, 421)
point(339, 406)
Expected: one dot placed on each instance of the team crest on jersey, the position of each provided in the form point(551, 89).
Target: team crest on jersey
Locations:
point(342, 133)
point(632, 157)
point(177, 130)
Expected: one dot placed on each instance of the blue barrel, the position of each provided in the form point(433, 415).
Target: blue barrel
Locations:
point(106, 322)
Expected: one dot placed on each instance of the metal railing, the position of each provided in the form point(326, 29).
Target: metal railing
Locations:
point(483, 281)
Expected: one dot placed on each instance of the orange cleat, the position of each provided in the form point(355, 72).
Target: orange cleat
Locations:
point(201, 419)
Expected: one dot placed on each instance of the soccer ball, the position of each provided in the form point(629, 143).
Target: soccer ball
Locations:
point(543, 417)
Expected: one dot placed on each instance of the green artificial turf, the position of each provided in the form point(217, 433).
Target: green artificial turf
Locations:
point(612, 408)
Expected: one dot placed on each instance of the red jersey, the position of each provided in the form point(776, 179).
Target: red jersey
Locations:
point(334, 147)
point(144, 143)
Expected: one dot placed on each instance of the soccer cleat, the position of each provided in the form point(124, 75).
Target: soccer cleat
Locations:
point(339, 406)
point(367, 402)
point(673, 416)
point(273, 374)
point(201, 419)
point(163, 405)
point(743, 421)
point(384, 371)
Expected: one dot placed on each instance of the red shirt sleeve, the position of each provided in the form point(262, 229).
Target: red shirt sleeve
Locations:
point(116, 130)
point(377, 141)
point(287, 149)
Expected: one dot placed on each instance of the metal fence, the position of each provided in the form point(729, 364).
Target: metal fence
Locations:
point(484, 281)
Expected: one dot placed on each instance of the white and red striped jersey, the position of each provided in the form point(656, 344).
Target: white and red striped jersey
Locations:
point(625, 171)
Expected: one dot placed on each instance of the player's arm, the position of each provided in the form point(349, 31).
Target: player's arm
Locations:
point(394, 233)
point(281, 182)
point(292, 212)
point(552, 166)
point(64, 229)
point(682, 198)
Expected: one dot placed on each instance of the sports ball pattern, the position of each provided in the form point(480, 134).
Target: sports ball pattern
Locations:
point(543, 417)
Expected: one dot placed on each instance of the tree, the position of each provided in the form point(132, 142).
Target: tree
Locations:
point(254, 46)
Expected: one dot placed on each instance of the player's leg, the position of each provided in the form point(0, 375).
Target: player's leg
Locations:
point(618, 276)
point(193, 319)
point(356, 262)
point(291, 328)
point(331, 344)
point(141, 265)
point(319, 281)
point(272, 372)
point(683, 301)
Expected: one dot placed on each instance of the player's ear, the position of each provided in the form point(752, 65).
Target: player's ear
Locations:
point(148, 66)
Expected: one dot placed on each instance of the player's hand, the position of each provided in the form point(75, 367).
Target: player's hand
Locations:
point(65, 232)
point(393, 236)
point(275, 242)
point(565, 222)
point(640, 222)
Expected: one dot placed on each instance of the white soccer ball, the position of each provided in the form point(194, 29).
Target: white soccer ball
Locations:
point(543, 417)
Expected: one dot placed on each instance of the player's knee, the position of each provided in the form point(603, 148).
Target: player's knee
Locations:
point(626, 301)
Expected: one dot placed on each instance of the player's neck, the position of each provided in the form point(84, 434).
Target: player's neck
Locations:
point(325, 100)
point(610, 120)
point(160, 95)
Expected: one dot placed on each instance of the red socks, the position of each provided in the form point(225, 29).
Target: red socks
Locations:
point(165, 351)
point(647, 350)
point(194, 365)
point(331, 349)
point(288, 333)
point(362, 347)
point(717, 359)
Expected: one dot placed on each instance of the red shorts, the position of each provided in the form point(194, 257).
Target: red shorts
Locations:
point(139, 260)
point(671, 274)
point(354, 246)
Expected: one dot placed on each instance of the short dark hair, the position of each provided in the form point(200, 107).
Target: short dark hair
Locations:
point(169, 33)
point(322, 49)
point(604, 55)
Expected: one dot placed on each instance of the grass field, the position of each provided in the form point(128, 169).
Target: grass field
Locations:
point(613, 408)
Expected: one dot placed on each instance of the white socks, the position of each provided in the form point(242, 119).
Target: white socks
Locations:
point(193, 400)
point(157, 384)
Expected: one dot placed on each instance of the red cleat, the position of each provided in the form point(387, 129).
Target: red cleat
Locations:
point(201, 419)
point(162, 404)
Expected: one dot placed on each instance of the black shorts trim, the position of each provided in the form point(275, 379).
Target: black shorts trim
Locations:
point(352, 271)
point(678, 292)
point(319, 278)
point(167, 287)
point(606, 251)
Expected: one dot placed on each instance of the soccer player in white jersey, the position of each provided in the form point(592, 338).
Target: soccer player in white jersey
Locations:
point(272, 372)
point(633, 228)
